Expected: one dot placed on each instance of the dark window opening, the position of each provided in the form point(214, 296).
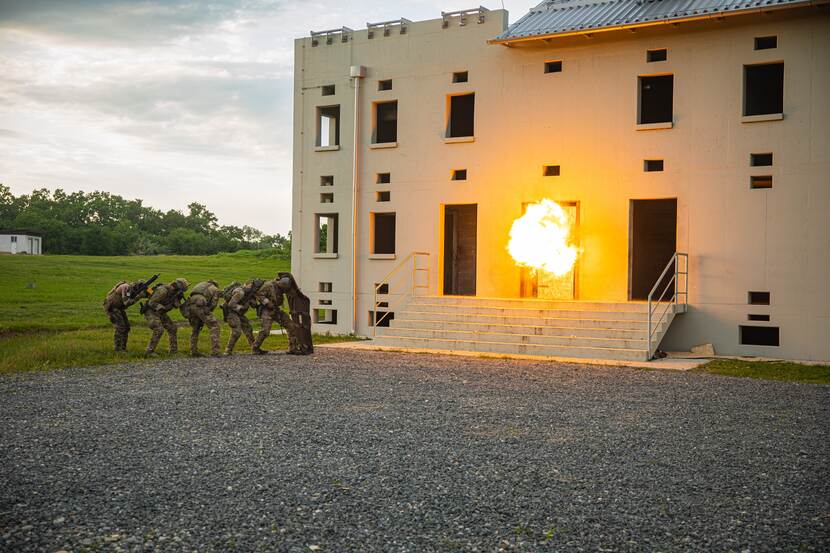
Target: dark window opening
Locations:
point(325, 302)
point(460, 77)
point(550, 171)
point(328, 126)
point(383, 196)
point(764, 89)
point(325, 233)
point(384, 233)
point(385, 85)
point(553, 66)
point(759, 335)
point(382, 288)
point(328, 90)
point(656, 99)
point(759, 298)
point(760, 160)
point(384, 178)
point(324, 287)
point(660, 54)
point(766, 42)
point(380, 318)
point(325, 316)
point(327, 180)
point(762, 181)
point(462, 116)
point(386, 122)
point(459, 174)
point(327, 198)
point(757, 317)
point(650, 165)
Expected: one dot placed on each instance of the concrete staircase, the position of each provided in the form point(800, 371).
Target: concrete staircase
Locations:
point(567, 329)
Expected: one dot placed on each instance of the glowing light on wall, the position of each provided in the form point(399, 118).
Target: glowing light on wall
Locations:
point(541, 239)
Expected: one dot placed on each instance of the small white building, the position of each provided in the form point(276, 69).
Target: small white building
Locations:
point(20, 241)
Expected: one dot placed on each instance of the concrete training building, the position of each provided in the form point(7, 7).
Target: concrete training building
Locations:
point(690, 136)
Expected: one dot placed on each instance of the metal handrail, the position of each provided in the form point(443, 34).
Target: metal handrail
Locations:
point(673, 300)
point(415, 270)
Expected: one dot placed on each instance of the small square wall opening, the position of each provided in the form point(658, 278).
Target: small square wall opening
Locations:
point(554, 66)
point(759, 298)
point(325, 302)
point(324, 287)
point(382, 288)
point(325, 316)
point(760, 160)
point(760, 181)
point(658, 54)
point(766, 42)
point(459, 174)
point(759, 335)
point(383, 196)
point(757, 317)
point(327, 198)
point(380, 318)
point(327, 180)
point(385, 85)
point(384, 178)
point(651, 165)
point(460, 77)
point(550, 171)
point(328, 90)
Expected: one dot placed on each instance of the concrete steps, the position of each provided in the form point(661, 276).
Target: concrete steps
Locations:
point(602, 330)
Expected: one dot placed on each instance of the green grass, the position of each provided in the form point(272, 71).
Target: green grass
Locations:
point(51, 315)
point(769, 370)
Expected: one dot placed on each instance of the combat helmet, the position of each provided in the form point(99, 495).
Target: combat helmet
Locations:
point(182, 283)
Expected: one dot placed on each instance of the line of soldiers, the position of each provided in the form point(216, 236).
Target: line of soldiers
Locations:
point(264, 296)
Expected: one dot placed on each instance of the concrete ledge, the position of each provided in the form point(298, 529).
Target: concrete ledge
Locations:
point(761, 118)
point(326, 148)
point(459, 139)
point(653, 126)
point(383, 145)
point(325, 256)
point(382, 256)
point(668, 364)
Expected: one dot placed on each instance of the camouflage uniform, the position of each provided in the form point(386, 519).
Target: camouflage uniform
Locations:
point(165, 297)
point(198, 310)
point(115, 306)
point(269, 298)
point(298, 323)
point(234, 309)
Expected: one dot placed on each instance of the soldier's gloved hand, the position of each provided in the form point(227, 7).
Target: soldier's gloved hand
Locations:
point(265, 301)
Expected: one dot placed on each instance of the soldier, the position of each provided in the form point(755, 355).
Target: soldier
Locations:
point(165, 297)
point(122, 296)
point(269, 298)
point(198, 310)
point(299, 322)
point(238, 299)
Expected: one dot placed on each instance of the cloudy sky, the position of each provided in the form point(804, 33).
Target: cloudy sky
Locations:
point(167, 100)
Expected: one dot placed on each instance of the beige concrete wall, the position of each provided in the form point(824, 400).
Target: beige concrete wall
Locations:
point(583, 119)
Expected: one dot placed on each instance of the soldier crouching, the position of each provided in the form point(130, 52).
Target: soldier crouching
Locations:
point(269, 298)
point(115, 305)
point(238, 299)
point(165, 297)
point(298, 323)
point(198, 310)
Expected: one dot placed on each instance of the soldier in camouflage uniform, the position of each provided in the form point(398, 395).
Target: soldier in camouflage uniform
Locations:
point(238, 299)
point(165, 297)
point(198, 310)
point(298, 323)
point(269, 297)
point(115, 305)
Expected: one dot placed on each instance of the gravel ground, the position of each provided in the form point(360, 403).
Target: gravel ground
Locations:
point(368, 451)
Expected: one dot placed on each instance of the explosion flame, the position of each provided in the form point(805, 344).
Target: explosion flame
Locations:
point(540, 239)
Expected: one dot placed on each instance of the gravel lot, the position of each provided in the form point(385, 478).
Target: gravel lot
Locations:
point(369, 451)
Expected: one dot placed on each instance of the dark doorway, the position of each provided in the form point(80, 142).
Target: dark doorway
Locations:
point(460, 226)
point(652, 244)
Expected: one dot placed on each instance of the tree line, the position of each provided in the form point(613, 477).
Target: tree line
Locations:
point(100, 223)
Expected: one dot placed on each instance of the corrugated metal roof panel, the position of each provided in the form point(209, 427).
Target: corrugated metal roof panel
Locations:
point(553, 17)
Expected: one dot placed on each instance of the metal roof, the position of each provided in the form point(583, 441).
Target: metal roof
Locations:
point(554, 17)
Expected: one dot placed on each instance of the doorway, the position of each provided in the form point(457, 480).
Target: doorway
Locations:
point(541, 285)
point(460, 229)
point(653, 242)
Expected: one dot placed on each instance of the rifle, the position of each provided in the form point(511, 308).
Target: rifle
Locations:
point(141, 287)
point(256, 284)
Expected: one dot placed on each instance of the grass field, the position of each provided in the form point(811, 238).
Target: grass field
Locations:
point(769, 370)
point(51, 314)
